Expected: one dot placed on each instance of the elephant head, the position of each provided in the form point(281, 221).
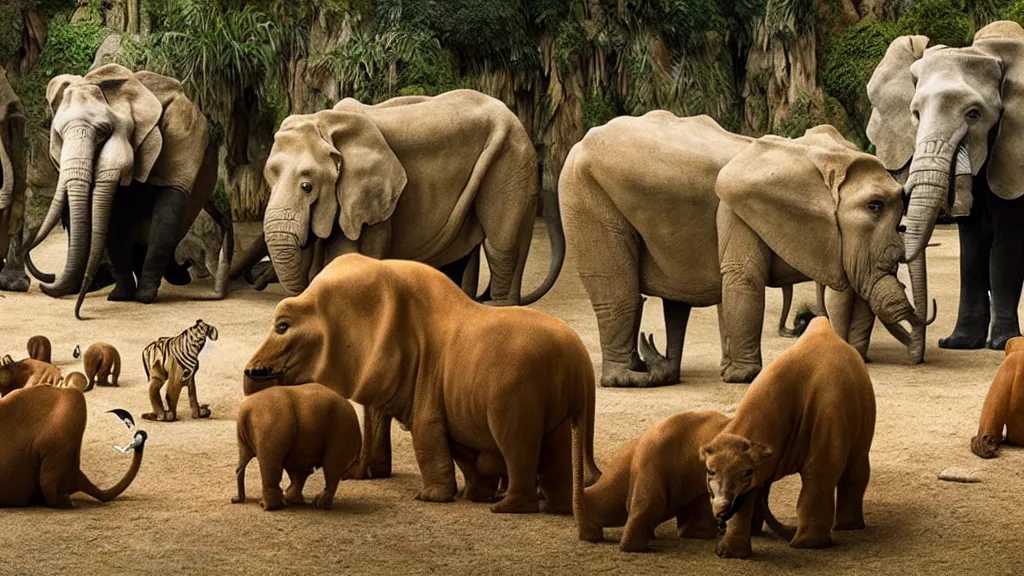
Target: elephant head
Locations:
point(939, 109)
point(332, 166)
point(847, 205)
point(103, 134)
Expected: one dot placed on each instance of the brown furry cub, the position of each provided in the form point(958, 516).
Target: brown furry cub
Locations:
point(39, 348)
point(296, 429)
point(102, 364)
point(655, 478)
point(1004, 405)
point(810, 412)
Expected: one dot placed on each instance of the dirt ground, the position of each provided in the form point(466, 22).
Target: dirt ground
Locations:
point(177, 516)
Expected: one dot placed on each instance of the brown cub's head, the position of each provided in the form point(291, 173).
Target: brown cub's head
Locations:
point(731, 462)
point(985, 445)
point(291, 352)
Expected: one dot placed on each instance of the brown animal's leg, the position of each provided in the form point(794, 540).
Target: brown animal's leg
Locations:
point(757, 518)
point(297, 481)
point(478, 487)
point(375, 454)
point(116, 372)
point(696, 520)
point(55, 473)
point(157, 378)
point(555, 470)
point(198, 410)
point(648, 506)
point(325, 499)
point(271, 471)
point(430, 443)
point(520, 447)
point(245, 455)
point(174, 385)
point(815, 511)
point(745, 264)
point(736, 542)
point(852, 485)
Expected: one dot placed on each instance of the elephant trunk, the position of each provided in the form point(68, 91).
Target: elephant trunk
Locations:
point(6, 177)
point(919, 288)
point(285, 233)
point(76, 172)
point(102, 199)
point(889, 302)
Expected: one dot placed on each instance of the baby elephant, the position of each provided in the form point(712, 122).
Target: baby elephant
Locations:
point(1004, 405)
point(296, 429)
point(39, 348)
point(102, 365)
point(655, 478)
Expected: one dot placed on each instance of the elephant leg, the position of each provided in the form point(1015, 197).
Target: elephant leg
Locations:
point(296, 482)
point(862, 322)
point(555, 470)
point(119, 247)
point(104, 276)
point(336, 457)
point(178, 274)
point(815, 511)
point(745, 264)
point(697, 521)
point(375, 452)
point(245, 455)
point(1006, 268)
point(13, 277)
point(506, 257)
point(666, 369)
point(169, 205)
point(787, 303)
point(850, 493)
point(434, 457)
point(636, 363)
point(271, 471)
point(973, 315)
point(456, 271)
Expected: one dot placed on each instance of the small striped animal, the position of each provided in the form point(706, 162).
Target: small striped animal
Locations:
point(175, 361)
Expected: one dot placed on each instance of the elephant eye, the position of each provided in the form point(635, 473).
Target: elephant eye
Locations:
point(306, 187)
point(875, 207)
point(973, 115)
point(281, 327)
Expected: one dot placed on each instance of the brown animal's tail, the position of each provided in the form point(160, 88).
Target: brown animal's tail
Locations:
point(583, 459)
point(781, 530)
point(85, 485)
point(116, 372)
point(592, 473)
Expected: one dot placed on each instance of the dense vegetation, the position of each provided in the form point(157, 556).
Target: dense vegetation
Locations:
point(757, 66)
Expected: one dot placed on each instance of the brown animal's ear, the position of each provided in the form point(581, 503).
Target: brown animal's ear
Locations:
point(1014, 345)
point(1005, 41)
point(777, 185)
point(760, 451)
point(891, 88)
point(7, 360)
point(371, 176)
point(705, 451)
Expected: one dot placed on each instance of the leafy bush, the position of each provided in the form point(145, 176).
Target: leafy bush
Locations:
point(11, 26)
point(597, 111)
point(943, 21)
point(851, 57)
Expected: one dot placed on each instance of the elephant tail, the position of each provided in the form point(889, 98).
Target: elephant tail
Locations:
point(781, 530)
point(556, 235)
point(83, 484)
point(252, 256)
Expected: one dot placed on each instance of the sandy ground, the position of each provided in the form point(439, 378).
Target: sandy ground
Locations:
point(177, 516)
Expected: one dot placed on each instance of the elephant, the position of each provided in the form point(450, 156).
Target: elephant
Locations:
point(296, 429)
point(13, 172)
point(951, 120)
point(102, 364)
point(746, 214)
point(811, 412)
point(1003, 407)
point(39, 458)
point(418, 178)
point(141, 150)
point(499, 390)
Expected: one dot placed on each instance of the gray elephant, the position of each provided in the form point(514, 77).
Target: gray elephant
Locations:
point(418, 178)
point(12, 188)
point(680, 209)
point(952, 121)
point(135, 160)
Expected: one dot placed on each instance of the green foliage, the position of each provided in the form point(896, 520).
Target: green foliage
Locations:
point(943, 21)
point(851, 57)
point(11, 27)
point(597, 111)
point(570, 43)
point(807, 112)
point(1014, 11)
point(220, 198)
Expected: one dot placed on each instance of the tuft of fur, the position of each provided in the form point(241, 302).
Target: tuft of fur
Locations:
point(804, 315)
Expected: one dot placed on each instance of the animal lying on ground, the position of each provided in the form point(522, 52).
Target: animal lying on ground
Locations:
point(26, 373)
point(39, 348)
point(102, 365)
point(296, 429)
point(505, 390)
point(1004, 405)
point(810, 412)
point(76, 380)
point(655, 478)
point(175, 360)
point(39, 457)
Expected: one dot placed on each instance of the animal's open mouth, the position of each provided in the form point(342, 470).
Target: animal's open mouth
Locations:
point(737, 503)
point(263, 374)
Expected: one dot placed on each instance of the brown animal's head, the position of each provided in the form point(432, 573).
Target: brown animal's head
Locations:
point(9, 380)
point(291, 351)
point(985, 445)
point(731, 462)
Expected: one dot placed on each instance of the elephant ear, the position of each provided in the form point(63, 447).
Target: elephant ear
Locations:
point(787, 192)
point(371, 176)
point(129, 97)
point(55, 95)
point(182, 130)
point(1005, 41)
point(891, 88)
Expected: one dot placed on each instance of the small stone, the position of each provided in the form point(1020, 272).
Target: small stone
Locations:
point(959, 474)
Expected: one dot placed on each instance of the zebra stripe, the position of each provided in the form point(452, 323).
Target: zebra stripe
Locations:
point(183, 349)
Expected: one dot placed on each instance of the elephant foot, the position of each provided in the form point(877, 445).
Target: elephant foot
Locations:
point(480, 491)
point(733, 549)
point(293, 496)
point(962, 341)
point(659, 367)
point(121, 294)
point(807, 539)
point(740, 374)
point(323, 501)
point(513, 504)
point(622, 377)
point(436, 494)
point(14, 281)
point(1000, 338)
point(203, 412)
point(146, 294)
point(272, 500)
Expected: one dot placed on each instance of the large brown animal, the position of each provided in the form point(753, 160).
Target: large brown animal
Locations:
point(39, 348)
point(26, 373)
point(40, 454)
point(1004, 405)
point(655, 478)
point(296, 429)
point(503, 384)
point(810, 412)
point(102, 365)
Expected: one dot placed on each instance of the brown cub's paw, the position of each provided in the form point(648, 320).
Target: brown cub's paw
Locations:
point(857, 524)
point(436, 494)
point(155, 417)
point(204, 411)
point(274, 502)
point(512, 505)
point(726, 549)
point(323, 501)
point(807, 540)
point(237, 500)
